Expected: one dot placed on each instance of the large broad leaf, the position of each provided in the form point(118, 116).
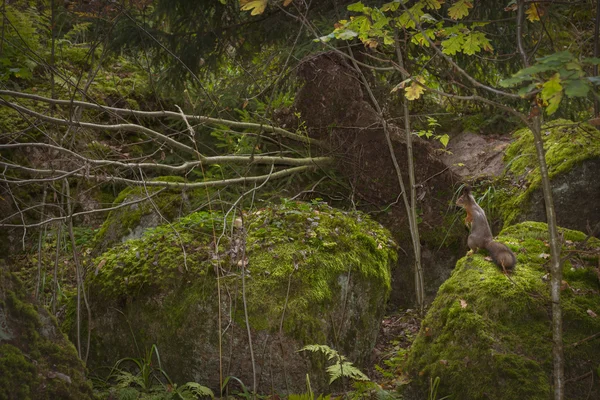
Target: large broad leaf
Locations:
point(552, 92)
point(453, 44)
point(577, 88)
point(358, 7)
point(408, 18)
point(414, 91)
point(460, 9)
point(433, 4)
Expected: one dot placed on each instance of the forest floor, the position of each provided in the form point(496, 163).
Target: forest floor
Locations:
point(396, 334)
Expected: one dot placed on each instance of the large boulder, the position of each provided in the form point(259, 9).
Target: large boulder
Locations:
point(37, 361)
point(311, 275)
point(337, 110)
point(573, 158)
point(488, 335)
point(139, 208)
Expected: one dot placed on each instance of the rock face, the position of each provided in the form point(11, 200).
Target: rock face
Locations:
point(313, 275)
point(337, 110)
point(476, 156)
point(36, 361)
point(573, 158)
point(487, 336)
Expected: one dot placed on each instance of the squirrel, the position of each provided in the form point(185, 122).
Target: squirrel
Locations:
point(481, 234)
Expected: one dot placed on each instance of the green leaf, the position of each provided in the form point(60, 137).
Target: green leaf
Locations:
point(591, 60)
point(419, 38)
point(393, 6)
point(433, 4)
point(460, 9)
point(577, 88)
point(444, 139)
point(360, 24)
point(524, 91)
point(471, 45)
point(453, 44)
point(358, 7)
point(408, 18)
point(552, 92)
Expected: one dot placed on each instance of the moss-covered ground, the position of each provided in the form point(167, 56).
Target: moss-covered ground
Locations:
point(36, 361)
point(488, 336)
point(567, 144)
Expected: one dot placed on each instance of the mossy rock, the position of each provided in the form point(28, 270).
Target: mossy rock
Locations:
point(314, 275)
point(573, 158)
point(131, 221)
point(37, 361)
point(488, 336)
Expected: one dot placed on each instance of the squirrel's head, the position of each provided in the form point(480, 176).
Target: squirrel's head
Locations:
point(464, 199)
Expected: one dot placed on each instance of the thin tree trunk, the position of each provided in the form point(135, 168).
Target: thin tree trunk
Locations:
point(596, 51)
point(414, 225)
point(555, 264)
point(555, 245)
point(40, 241)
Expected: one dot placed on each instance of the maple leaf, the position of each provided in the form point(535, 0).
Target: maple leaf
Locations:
point(257, 6)
point(414, 91)
point(534, 12)
point(460, 9)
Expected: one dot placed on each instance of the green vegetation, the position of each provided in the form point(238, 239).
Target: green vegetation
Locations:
point(165, 206)
point(567, 144)
point(300, 256)
point(36, 359)
point(488, 335)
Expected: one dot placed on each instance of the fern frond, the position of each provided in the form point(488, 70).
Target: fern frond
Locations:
point(345, 369)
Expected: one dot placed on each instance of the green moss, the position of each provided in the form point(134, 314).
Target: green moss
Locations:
point(487, 336)
point(18, 374)
point(567, 144)
point(170, 203)
point(302, 258)
point(36, 357)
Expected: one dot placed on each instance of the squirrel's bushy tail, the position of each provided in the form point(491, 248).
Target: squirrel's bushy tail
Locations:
point(501, 254)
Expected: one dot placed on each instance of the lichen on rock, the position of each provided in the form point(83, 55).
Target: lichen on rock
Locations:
point(313, 275)
point(489, 336)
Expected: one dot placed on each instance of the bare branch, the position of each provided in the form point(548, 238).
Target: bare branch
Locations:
point(171, 114)
point(98, 210)
point(240, 159)
point(118, 127)
point(191, 185)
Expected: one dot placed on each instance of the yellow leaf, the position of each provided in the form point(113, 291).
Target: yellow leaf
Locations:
point(257, 6)
point(534, 12)
point(414, 91)
point(287, 3)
